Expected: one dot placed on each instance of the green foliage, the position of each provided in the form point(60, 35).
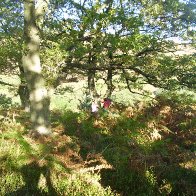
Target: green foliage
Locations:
point(160, 147)
point(28, 167)
point(80, 186)
point(70, 121)
point(128, 35)
point(127, 125)
point(140, 165)
point(177, 98)
point(5, 102)
point(181, 106)
point(10, 181)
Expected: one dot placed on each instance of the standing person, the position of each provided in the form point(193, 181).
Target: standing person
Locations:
point(106, 103)
point(94, 108)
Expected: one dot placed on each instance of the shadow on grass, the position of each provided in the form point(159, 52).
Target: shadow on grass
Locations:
point(32, 168)
point(162, 167)
point(31, 174)
point(135, 170)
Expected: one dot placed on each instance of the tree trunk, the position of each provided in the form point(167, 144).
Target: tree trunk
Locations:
point(91, 76)
point(109, 83)
point(110, 86)
point(23, 91)
point(39, 100)
point(91, 83)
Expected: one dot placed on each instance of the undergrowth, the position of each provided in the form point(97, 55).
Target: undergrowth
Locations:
point(148, 149)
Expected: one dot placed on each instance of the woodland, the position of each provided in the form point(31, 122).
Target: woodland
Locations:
point(57, 57)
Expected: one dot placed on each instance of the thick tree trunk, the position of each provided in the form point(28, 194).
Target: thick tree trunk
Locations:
point(39, 100)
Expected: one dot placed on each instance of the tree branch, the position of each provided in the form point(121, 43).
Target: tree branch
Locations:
point(5, 83)
point(129, 88)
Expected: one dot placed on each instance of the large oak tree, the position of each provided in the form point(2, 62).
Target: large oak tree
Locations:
point(131, 38)
point(39, 99)
point(97, 39)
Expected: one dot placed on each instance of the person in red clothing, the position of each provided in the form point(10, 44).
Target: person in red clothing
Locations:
point(106, 103)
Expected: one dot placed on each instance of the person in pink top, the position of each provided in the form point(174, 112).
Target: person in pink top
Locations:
point(94, 108)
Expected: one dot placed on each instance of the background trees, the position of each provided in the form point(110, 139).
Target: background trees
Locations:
point(142, 146)
point(132, 37)
point(131, 40)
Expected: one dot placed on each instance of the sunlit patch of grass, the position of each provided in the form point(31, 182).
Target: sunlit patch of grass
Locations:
point(10, 179)
point(83, 184)
point(43, 166)
point(149, 146)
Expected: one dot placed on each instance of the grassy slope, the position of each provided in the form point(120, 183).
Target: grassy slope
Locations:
point(143, 150)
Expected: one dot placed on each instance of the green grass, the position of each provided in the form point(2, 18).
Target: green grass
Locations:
point(115, 154)
point(29, 167)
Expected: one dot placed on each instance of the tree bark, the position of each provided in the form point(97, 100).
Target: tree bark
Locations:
point(110, 86)
point(23, 91)
point(91, 76)
point(91, 83)
point(38, 96)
